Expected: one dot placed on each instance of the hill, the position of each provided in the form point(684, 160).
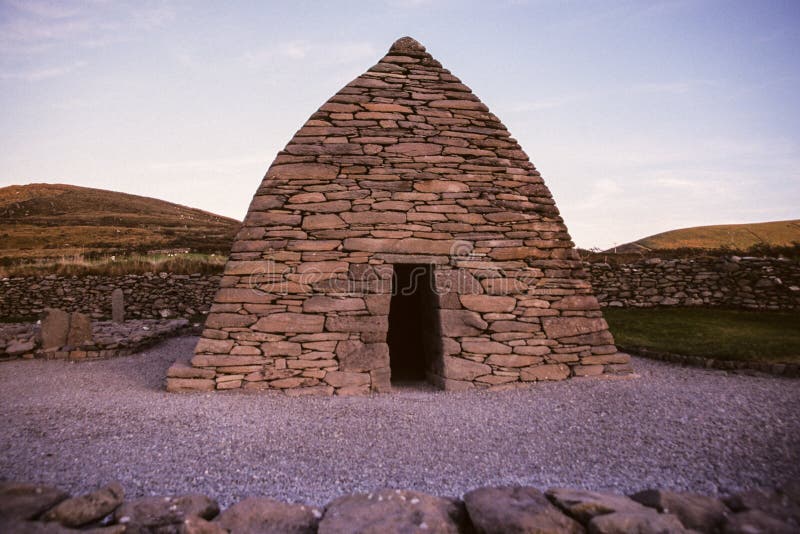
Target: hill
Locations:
point(39, 221)
point(740, 237)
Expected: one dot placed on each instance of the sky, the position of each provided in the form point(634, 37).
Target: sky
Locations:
point(641, 116)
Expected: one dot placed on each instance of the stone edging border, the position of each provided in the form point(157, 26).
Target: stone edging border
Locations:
point(787, 370)
point(36, 508)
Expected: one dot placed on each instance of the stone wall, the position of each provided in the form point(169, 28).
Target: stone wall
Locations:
point(147, 296)
point(753, 283)
point(756, 283)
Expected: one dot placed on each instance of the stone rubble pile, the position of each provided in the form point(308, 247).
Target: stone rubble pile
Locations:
point(42, 509)
point(732, 282)
point(83, 340)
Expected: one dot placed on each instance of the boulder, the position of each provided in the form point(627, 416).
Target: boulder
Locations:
point(697, 512)
point(583, 505)
point(85, 509)
point(392, 511)
point(27, 501)
point(757, 522)
point(147, 514)
point(516, 509)
point(265, 515)
point(783, 503)
point(646, 521)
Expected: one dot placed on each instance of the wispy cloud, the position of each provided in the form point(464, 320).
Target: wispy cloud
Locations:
point(302, 50)
point(44, 73)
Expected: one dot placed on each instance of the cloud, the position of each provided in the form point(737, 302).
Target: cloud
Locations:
point(302, 50)
point(44, 73)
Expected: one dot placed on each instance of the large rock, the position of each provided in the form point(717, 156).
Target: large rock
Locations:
point(516, 509)
point(267, 516)
point(646, 521)
point(54, 329)
point(583, 505)
point(153, 513)
point(697, 512)
point(27, 501)
point(783, 503)
point(757, 522)
point(392, 511)
point(85, 509)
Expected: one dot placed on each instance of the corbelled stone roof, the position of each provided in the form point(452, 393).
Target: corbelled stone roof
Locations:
point(402, 165)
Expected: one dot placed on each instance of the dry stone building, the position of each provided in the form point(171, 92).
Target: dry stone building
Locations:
point(402, 234)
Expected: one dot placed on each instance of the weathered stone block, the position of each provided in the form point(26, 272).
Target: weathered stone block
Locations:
point(460, 369)
point(214, 346)
point(456, 323)
point(488, 303)
point(357, 356)
point(190, 384)
point(559, 327)
point(323, 304)
point(54, 329)
point(290, 322)
point(554, 371)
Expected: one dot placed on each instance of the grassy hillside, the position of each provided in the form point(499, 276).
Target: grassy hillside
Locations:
point(46, 221)
point(732, 236)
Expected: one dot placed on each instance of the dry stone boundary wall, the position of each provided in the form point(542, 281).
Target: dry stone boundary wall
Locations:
point(751, 283)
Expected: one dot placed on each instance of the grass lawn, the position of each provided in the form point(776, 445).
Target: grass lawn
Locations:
point(709, 332)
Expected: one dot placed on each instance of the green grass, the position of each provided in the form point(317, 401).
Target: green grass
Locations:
point(711, 333)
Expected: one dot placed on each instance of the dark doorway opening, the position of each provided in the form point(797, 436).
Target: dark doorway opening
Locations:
point(414, 337)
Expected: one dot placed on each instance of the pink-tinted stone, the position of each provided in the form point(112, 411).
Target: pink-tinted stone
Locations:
point(323, 304)
point(290, 322)
point(559, 327)
point(555, 371)
point(414, 149)
point(488, 303)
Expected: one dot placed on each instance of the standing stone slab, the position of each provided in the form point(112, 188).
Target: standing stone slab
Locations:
point(55, 329)
point(80, 329)
point(118, 306)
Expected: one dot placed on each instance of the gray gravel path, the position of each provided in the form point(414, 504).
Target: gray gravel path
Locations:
point(79, 426)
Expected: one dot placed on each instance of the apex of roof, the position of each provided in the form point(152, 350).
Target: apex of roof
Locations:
point(407, 44)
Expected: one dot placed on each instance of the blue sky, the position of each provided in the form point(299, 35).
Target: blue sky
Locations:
point(641, 116)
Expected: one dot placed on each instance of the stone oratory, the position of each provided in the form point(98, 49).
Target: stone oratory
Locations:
point(402, 235)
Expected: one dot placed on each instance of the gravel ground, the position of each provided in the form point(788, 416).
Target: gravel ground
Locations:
point(79, 426)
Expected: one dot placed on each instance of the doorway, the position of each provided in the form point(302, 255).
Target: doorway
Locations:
point(414, 337)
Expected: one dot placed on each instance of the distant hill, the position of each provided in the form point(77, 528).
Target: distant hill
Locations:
point(51, 220)
point(733, 236)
